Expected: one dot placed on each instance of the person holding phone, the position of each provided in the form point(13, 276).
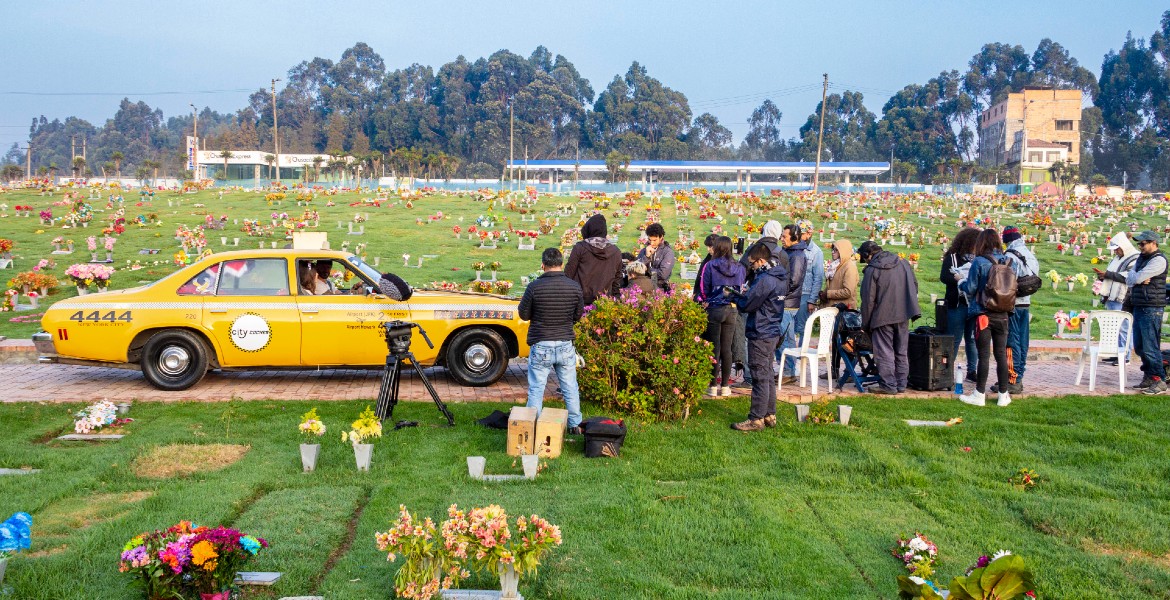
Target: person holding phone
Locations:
point(657, 256)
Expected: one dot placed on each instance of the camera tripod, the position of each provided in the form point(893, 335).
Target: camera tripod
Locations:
point(398, 334)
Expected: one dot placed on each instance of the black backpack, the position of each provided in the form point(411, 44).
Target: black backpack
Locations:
point(1029, 284)
point(999, 292)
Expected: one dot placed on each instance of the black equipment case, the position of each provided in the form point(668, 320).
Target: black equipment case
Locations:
point(603, 436)
point(931, 364)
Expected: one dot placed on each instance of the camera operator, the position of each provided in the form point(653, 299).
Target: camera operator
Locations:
point(764, 307)
point(553, 303)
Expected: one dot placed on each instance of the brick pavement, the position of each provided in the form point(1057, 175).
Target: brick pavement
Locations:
point(1052, 376)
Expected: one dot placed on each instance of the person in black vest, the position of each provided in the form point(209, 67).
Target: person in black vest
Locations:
point(1146, 300)
point(553, 303)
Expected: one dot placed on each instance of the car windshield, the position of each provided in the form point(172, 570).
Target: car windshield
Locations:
point(371, 273)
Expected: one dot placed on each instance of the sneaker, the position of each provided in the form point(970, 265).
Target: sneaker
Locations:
point(576, 430)
point(743, 385)
point(1146, 382)
point(877, 389)
point(770, 421)
point(749, 425)
point(1004, 399)
point(1016, 388)
point(974, 399)
point(972, 377)
point(1157, 387)
point(788, 380)
point(725, 391)
point(713, 391)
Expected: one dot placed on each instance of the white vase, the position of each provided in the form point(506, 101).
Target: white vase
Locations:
point(362, 453)
point(475, 465)
point(844, 411)
point(531, 464)
point(109, 256)
point(509, 582)
point(1070, 285)
point(3, 566)
point(82, 290)
point(309, 453)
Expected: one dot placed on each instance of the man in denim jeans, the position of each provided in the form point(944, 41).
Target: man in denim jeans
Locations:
point(552, 304)
point(1147, 299)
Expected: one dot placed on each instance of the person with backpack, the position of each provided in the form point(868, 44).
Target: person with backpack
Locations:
point(1146, 300)
point(990, 287)
point(958, 326)
point(1025, 265)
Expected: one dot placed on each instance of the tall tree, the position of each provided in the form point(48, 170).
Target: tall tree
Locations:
point(848, 132)
point(763, 140)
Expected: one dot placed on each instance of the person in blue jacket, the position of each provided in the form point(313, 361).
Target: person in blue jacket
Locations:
point(991, 328)
point(721, 271)
point(764, 307)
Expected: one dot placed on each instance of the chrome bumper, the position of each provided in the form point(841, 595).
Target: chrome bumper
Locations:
point(46, 351)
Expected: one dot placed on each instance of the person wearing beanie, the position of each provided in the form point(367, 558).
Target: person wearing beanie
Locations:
point(889, 301)
point(1023, 262)
point(594, 263)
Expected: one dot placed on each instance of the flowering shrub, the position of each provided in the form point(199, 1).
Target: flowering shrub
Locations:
point(365, 427)
point(484, 535)
point(643, 354)
point(311, 425)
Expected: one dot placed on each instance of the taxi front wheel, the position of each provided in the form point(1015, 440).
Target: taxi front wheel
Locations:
point(477, 357)
point(174, 360)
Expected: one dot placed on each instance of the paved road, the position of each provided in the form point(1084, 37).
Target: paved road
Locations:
point(64, 383)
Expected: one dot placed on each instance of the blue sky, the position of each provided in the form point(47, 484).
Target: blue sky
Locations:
point(726, 57)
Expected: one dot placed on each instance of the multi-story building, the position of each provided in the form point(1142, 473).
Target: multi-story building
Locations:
point(1030, 130)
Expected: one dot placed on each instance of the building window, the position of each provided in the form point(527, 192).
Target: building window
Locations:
point(1064, 125)
point(1053, 156)
point(1035, 157)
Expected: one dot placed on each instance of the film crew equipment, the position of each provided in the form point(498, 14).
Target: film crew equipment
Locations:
point(398, 335)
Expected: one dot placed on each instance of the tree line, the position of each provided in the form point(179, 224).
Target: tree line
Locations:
point(457, 121)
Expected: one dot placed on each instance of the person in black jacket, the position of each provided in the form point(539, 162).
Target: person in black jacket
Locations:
point(552, 304)
point(889, 300)
point(594, 263)
point(957, 324)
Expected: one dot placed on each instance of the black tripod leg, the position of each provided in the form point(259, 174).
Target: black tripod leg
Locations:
point(388, 392)
point(434, 395)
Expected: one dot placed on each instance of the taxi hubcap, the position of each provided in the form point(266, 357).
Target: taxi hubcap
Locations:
point(477, 357)
point(173, 360)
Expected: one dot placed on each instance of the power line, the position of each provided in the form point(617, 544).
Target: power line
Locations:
point(753, 97)
point(168, 93)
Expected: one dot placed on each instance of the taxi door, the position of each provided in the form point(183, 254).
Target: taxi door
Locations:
point(252, 315)
point(346, 328)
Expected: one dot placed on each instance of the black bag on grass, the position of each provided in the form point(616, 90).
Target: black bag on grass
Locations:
point(603, 436)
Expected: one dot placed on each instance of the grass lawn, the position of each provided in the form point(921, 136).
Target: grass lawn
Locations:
point(393, 231)
point(688, 511)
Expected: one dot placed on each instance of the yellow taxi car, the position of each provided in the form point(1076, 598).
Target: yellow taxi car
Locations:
point(246, 309)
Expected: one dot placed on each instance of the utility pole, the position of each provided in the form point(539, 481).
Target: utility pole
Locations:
point(28, 163)
point(72, 148)
point(820, 134)
point(511, 145)
point(275, 130)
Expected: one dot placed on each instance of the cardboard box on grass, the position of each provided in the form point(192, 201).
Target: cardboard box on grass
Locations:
point(521, 430)
point(550, 431)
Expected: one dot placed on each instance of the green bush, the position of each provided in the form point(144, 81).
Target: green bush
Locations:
point(644, 354)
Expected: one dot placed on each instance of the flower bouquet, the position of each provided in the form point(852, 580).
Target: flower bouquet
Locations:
point(918, 554)
point(311, 427)
point(502, 287)
point(484, 534)
point(185, 559)
point(366, 427)
point(1003, 576)
point(96, 416)
point(1025, 479)
point(430, 565)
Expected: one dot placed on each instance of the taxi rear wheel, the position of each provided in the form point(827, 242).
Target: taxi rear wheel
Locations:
point(477, 357)
point(174, 360)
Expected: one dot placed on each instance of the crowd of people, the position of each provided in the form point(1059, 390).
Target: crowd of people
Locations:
point(760, 305)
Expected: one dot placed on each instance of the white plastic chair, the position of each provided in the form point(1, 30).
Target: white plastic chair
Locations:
point(827, 317)
point(1110, 324)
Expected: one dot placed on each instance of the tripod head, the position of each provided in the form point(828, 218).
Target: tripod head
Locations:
point(398, 335)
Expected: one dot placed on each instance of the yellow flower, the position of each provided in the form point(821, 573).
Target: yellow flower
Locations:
point(203, 553)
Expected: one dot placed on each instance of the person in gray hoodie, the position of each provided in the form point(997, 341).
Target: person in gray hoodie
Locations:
point(1023, 262)
point(769, 238)
point(1112, 288)
point(595, 264)
point(889, 300)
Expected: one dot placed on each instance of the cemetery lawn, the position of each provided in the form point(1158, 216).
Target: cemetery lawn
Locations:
point(688, 511)
point(394, 230)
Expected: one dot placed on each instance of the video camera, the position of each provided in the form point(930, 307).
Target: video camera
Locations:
point(398, 335)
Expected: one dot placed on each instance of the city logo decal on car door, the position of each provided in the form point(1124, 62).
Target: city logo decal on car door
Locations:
point(250, 332)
